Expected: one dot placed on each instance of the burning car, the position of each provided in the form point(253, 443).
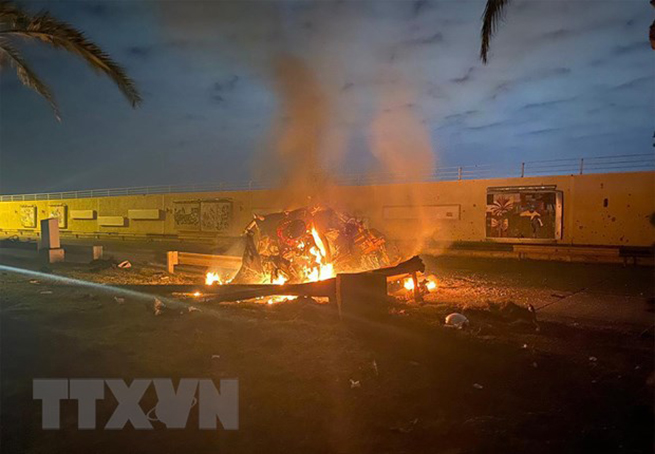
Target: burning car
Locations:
point(309, 245)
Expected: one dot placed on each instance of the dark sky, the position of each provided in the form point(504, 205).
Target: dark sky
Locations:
point(565, 79)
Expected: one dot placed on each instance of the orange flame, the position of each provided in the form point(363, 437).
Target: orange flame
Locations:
point(213, 278)
point(322, 269)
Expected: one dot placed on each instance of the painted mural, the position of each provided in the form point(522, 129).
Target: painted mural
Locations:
point(522, 215)
point(60, 213)
point(28, 216)
point(203, 215)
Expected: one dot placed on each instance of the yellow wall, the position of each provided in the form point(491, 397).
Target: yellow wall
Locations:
point(625, 221)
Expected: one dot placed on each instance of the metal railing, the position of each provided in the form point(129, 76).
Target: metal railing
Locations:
point(564, 166)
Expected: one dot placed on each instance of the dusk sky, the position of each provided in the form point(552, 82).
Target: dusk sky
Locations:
point(565, 79)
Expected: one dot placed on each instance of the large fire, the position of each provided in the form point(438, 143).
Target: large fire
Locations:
point(309, 245)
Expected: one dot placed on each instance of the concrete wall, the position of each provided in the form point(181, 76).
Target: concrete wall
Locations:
point(439, 211)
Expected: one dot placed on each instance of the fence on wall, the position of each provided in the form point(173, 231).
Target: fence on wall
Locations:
point(563, 166)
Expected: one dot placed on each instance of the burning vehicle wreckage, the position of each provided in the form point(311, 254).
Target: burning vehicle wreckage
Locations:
point(309, 245)
point(318, 253)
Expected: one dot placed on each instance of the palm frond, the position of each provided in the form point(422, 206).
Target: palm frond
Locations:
point(493, 14)
point(27, 76)
point(45, 28)
point(12, 15)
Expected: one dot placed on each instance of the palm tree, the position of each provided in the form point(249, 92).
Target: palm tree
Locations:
point(493, 14)
point(16, 23)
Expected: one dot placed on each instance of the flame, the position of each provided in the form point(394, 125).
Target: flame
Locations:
point(319, 242)
point(279, 280)
point(322, 269)
point(196, 294)
point(430, 284)
point(319, 268)
point(279, 298)
point(212, 278)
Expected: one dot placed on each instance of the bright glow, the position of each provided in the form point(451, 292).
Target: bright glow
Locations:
point(431, 285)
point(280, 280)
point(213, 278)
point(196, 294)
point(319, 242)
point(279, 298)
point(408, 283)
point(322, 269)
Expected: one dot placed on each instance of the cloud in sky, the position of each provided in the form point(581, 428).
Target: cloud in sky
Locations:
point(558, 79)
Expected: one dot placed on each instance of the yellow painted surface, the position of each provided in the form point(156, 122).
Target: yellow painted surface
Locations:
point(626, 220)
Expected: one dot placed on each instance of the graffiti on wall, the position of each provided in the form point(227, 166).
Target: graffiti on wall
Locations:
point(28, 216)
point(523, 214)
point(59, 212)
point(203, 215)
point(187, 215)
point(215, 216)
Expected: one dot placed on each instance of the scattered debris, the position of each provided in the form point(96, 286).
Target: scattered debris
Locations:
point(119, 300)
point(98, 265)
point(478, 386)
point(456, 320)
point(125, 264)
point(216, 356)
point(515, 314)
point(355, 384)
point(375, 368)
point(194, 309)
point(159, 306)
point(593, 359)
point(46, 292)
point(34, 281)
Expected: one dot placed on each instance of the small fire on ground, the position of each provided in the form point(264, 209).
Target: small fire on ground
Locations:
point(405, 287)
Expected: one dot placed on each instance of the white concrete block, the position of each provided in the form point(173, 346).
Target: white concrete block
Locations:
point(83, 214)
point(144, 214)
point(111, 221)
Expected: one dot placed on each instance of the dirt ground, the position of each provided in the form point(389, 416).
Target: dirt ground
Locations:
point(310, 383)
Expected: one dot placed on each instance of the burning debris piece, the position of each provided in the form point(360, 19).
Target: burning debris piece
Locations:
point(307, 245)
point(406, 288)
